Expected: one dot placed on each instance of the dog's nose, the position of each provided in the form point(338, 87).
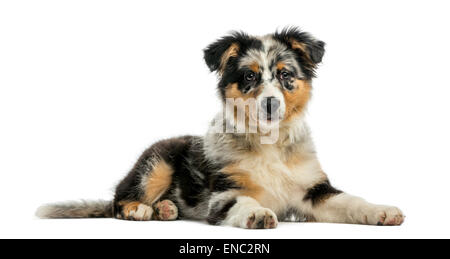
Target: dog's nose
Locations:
point(270, 105)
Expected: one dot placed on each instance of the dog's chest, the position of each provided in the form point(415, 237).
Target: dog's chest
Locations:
point(282, 184)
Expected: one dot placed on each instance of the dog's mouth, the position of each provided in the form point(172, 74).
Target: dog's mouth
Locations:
point(272, 118)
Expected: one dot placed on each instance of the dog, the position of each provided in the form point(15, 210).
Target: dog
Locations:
point(231, 177)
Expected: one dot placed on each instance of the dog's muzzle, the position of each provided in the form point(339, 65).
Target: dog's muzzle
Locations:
point(270, 107)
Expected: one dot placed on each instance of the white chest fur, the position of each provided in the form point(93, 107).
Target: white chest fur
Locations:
point(283, 184)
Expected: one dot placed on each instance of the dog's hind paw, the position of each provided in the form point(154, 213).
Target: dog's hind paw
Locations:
point(165, 210)
point(135, 211)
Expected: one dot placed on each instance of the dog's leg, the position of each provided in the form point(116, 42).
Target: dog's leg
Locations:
point(243, 212)
point(329, 205)
point(138, 195)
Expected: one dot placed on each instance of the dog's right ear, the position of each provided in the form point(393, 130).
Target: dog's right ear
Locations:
point(219, 54)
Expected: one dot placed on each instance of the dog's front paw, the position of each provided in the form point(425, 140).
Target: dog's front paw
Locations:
point(385, 216)
point(261, 218)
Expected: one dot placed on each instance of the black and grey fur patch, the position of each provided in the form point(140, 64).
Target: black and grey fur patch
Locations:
point(218, 212)
point(320, 192)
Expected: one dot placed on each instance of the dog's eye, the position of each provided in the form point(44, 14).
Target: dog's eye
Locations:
point(250, 76)
point(284, 75)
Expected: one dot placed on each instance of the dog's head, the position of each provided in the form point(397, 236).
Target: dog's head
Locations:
point(274, 70)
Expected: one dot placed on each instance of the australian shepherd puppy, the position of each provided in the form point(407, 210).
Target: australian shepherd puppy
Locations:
point(256, 165)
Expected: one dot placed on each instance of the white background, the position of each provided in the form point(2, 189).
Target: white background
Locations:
point(86, 86)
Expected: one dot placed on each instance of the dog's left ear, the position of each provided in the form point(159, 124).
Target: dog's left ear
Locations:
point(311, 49)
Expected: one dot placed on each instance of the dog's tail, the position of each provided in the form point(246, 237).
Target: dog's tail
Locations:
point(76, 209)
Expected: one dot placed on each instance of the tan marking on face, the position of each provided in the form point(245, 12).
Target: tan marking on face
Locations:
point(128, 207)
point(254, 67)
point(232, 92)
point(158, 182)
point(232, 51)
point(297, 99)
point(280, 65)
point(243, 180)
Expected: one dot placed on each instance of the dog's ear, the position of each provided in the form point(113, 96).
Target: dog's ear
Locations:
point(311, 49)
point(218, 54)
